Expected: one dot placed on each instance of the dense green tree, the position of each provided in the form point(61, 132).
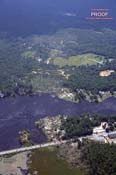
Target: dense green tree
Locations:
point(100, 158)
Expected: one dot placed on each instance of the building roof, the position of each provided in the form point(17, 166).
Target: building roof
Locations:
point(112, 135)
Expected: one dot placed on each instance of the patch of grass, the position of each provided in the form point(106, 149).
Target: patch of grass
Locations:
point(44, 84)
point(79, 60)
point(53, 53)
point(29, 54)
point(46, 162)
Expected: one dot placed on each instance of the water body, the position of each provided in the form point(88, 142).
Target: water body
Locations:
point(27, 17)
point(21, 112)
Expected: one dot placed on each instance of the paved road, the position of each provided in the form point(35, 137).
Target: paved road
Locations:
point(31, 147)
point(18, 150)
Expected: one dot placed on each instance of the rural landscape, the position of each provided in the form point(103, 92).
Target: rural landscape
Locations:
point(57, 88)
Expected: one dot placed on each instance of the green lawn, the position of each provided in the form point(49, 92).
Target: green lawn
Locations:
point(84, 59)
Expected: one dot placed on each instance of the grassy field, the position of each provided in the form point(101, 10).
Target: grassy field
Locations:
point(46, 83)
point(84, 59)
point(29, 54)
point(46, 162)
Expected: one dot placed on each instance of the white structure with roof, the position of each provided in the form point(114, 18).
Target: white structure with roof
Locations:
point(100, 129)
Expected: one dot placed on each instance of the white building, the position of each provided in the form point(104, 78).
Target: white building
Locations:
point(100, 129)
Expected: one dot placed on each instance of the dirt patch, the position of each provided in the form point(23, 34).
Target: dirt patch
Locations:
point(14, 164)
point(106, 73)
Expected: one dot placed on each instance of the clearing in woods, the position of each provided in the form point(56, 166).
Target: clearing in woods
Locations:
point(79, 60)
